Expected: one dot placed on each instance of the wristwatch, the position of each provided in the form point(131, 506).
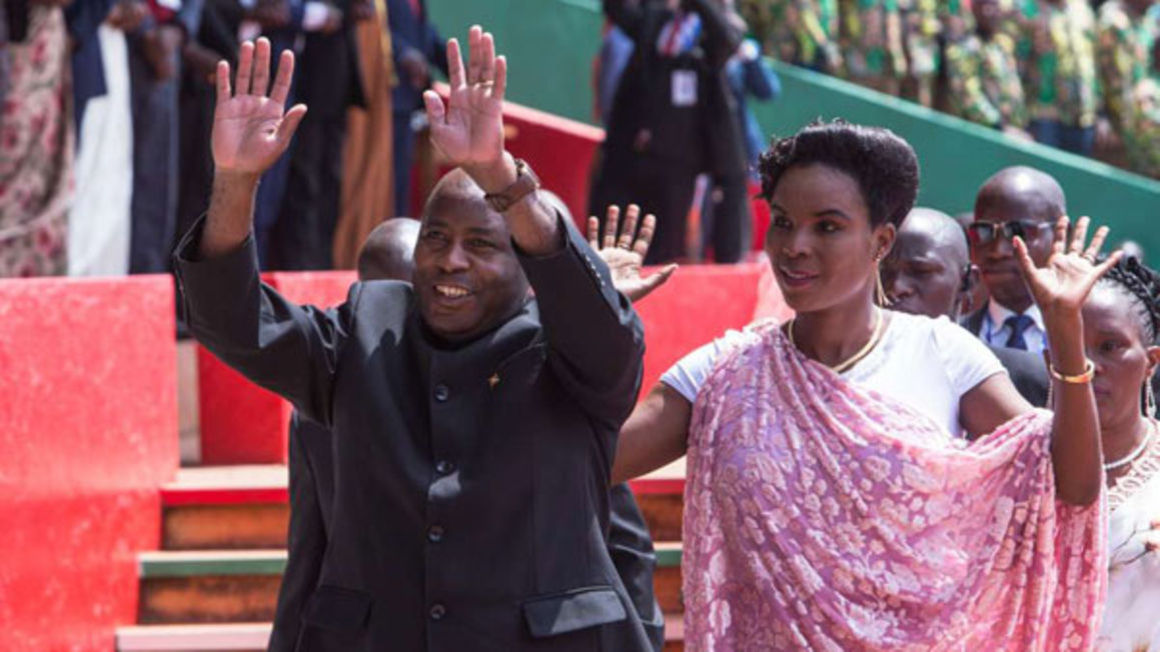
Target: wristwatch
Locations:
point(525, 184)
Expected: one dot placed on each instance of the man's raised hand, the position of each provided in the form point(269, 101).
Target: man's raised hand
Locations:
point(469, 130)
point(251, 128)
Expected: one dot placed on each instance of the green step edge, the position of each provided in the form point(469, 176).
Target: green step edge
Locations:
point(161, 568)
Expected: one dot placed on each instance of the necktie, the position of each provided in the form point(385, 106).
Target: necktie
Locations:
point(1018, 325)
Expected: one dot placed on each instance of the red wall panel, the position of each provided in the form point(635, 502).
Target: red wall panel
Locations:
point(88, 426)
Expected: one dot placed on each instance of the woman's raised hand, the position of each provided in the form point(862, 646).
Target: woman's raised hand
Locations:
point(1062, 285)
point(469, 130)
point(251, 128)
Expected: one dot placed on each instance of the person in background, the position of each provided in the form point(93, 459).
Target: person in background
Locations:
point(929, 272)
point(1016, 201)
point(921, 30)
point(672, 118)
point(615, 51)
point(1142, 128)
point(1121, 322)
point(727, 219)
point(329, 81)
point(417, 49)
point(801, 32)
point(36, 144)
point(99, 221)
point(1125, 38)
point(1061, 80)
point(873, 49)
point(155, 69)
point(983, 75)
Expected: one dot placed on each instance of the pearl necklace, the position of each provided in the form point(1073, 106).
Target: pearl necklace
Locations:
point(846, 364)
point(1136, 452)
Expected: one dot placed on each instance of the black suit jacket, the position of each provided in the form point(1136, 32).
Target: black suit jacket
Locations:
point(328, 71)
point(1028, 371)
point(471, 484)
point(311, 496)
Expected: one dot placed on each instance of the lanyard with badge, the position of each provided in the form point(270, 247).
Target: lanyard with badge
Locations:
point(678, 36)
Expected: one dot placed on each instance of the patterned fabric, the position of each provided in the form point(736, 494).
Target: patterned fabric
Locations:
point(921, 31)
point(1062, 69)
point(872, 38)
point(36, 150)
point(1125, 47)
point(821, 516)
point(1142, 132)
point(984, 82)
point(1130, 623)
point(797, 31)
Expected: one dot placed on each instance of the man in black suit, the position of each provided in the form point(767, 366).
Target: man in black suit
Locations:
point(929, 272)
point(328, 82)
point(387, 255)
point(1015, 201)
point(673, 116)
point(416, 49)
point(473, 428)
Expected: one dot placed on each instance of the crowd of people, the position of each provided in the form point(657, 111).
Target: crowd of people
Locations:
point(876, 473)
point(1076, 74)
point(108, 106)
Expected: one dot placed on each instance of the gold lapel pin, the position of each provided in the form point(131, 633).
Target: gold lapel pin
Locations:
point(493, 381)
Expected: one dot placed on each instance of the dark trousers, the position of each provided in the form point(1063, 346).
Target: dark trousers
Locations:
point(726, 220)
point(303, 238)
point(404, 153)
point(1077, 140)
point(196, 165)
point(662, 187)
point(155, 161)
point(272, 189)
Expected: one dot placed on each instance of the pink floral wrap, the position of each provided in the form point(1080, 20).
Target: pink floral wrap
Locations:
point(822, 516)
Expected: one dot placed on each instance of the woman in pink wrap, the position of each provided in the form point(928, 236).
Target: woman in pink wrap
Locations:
point(830, 502)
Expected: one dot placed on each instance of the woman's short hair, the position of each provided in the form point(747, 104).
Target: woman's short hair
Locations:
point(883, 164)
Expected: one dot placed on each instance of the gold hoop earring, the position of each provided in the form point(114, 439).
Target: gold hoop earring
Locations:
point(879, 290)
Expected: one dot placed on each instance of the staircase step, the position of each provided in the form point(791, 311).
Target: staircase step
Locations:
point(239, 586)
point(245, 507)
point(252, 637)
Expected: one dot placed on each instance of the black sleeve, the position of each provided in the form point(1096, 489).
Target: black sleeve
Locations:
point(595, 339)
point(628, 15)
point(305, 544)
point(721, 40)
point(289, 349)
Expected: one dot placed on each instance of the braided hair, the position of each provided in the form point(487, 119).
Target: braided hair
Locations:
point(1141, 285)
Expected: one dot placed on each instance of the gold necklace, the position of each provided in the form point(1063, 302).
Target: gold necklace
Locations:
point(845, 365)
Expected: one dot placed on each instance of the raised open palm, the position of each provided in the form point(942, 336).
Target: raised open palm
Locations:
point(469, 130)
point(250, 128)
point(624, 249)
point(1071, 271)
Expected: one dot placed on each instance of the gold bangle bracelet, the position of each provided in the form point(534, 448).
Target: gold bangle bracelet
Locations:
point(1089, 372)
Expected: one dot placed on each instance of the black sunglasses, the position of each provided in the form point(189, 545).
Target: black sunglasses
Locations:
point(984, 233)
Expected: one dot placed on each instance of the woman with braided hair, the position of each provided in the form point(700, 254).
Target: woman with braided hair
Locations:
point(1121, 327)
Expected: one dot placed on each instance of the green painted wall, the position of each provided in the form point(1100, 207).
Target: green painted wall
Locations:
point(551, 44)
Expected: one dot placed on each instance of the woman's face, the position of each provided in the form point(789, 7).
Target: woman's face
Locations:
point(1122, 359)
point(820, 242)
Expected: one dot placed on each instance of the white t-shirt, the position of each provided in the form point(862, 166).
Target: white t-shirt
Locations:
point(926, 363)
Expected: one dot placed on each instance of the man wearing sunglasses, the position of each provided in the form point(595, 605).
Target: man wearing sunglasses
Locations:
point(1023, 202)
point(929, 272)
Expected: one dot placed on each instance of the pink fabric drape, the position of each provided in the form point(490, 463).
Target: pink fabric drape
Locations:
point(822, 516)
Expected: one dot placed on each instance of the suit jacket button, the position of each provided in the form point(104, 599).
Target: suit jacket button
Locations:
point(437, 611)
point(442, 393)
point(435, 533)
point(443, 467)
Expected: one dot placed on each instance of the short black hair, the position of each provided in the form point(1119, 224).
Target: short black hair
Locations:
point(883, 164)
point(1141, 285)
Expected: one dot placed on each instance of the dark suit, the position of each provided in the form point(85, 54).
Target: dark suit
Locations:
point(410, 32)
point(1027, 370)
point(471, 484)
point(327, 81)
point(311, 498)
point(658, 172)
